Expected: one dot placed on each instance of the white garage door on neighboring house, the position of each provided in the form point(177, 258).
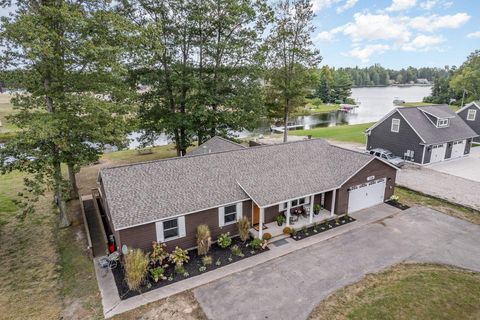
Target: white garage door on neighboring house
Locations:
point(366, 195)
point(458, 149)
point(438, 153)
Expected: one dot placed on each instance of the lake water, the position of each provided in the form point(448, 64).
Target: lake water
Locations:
point(373, 103)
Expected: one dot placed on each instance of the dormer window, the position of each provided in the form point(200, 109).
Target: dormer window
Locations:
point(395, 125)
point(442, 123)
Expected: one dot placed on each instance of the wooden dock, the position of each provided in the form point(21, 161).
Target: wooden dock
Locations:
point(289, 127)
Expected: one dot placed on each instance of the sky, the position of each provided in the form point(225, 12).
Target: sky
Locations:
point(394, 33)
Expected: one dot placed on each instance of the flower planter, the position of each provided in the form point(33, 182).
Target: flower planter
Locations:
point(194, 267)
point(323, 227)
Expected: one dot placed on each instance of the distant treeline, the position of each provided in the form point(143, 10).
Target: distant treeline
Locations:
point(377, 75)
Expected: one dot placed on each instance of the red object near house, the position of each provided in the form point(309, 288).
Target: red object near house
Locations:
point(111, 247)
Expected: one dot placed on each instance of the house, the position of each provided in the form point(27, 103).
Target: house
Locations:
point(425, 134)
point(471, 115)
point(215, 144)
point(166, 200)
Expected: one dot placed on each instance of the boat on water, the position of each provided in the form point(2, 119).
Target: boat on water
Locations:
point(397, 101)
point(344, 107)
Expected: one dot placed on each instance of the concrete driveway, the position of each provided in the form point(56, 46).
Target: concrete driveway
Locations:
point(290, 286)
point(467, 167)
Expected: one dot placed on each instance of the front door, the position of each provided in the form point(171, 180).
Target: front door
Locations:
point(256, 215)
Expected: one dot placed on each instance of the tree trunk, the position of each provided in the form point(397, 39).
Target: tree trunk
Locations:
point(73, 181)
point(285, 119)
point(64, 221)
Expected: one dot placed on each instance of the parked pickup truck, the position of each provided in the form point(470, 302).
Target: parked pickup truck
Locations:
point(387, 156)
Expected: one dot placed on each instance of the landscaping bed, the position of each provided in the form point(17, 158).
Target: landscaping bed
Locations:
point(299, 234)
point(398, 205)
point(220, 257)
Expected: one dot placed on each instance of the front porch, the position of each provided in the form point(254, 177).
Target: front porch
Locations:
point(275, 230)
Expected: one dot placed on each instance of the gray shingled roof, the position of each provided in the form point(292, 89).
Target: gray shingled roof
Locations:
point(146, 192)
point(439, 111)
point(457, 129)
point(215, 144)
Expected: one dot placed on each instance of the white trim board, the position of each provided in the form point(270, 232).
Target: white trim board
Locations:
point(473, 103)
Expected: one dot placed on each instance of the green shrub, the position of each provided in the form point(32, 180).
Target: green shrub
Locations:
point(315, 227)
point(204, 239)
point(179, 269)
point(255, 244)
point(316, 208)
point(236, 251)
point(207, 260)
point(159, 253)
point(179, 257)
point(243, 226)
point(158, 274)
point(224, 240)
point(136, 263)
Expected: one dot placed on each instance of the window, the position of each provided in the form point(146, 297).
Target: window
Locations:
point(230, 214)
point(294, 203)
point(170, 229)
point(472, 114)
point(395, 125)
point(442, 123)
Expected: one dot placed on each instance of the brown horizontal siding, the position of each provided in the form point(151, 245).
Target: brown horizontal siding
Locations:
point(375, 168)
point(142, 236)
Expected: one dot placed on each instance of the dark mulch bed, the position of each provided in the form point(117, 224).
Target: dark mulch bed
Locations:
point(398, 205)
point(322, 227)
point(192, 267)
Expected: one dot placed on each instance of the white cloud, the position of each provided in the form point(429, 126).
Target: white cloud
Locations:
point(318, 5)
point(329, 35)
point(377, 27)
point(423, 43)
point(434, 22)
point(429, 4)
point(474, 34)
point(347, 5)
point(364, 53)
point(400, 5)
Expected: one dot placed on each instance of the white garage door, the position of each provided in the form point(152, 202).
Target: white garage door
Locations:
point(366, 195)
point(458, 149)
point(438, 153)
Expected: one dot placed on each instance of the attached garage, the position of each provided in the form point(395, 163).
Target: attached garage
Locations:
point(458, 149)
point(366, 195)
point(438, 153)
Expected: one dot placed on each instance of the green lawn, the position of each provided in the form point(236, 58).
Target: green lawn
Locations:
point(415, 104)
point(349, 133)
point(411, 291)
point(412, 198)
point(311, 109)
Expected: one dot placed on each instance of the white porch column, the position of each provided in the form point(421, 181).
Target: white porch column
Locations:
point(260, 223)
point(289, 206)
point(333, 203)
point(311, 207)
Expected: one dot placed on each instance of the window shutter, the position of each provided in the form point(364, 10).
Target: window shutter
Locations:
point(239, 210)
point(181, 226)
point(159, 229)
point(221, 216)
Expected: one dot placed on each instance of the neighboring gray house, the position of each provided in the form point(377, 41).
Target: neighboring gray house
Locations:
point(215, 144)
point(425, 134)
point(471, 115)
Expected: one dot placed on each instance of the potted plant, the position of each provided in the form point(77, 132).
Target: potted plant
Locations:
point(316, 209)
point(280, 219)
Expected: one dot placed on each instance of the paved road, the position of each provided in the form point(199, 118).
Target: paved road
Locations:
point(441, 185)
point(467, 167)
point(290, 286)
